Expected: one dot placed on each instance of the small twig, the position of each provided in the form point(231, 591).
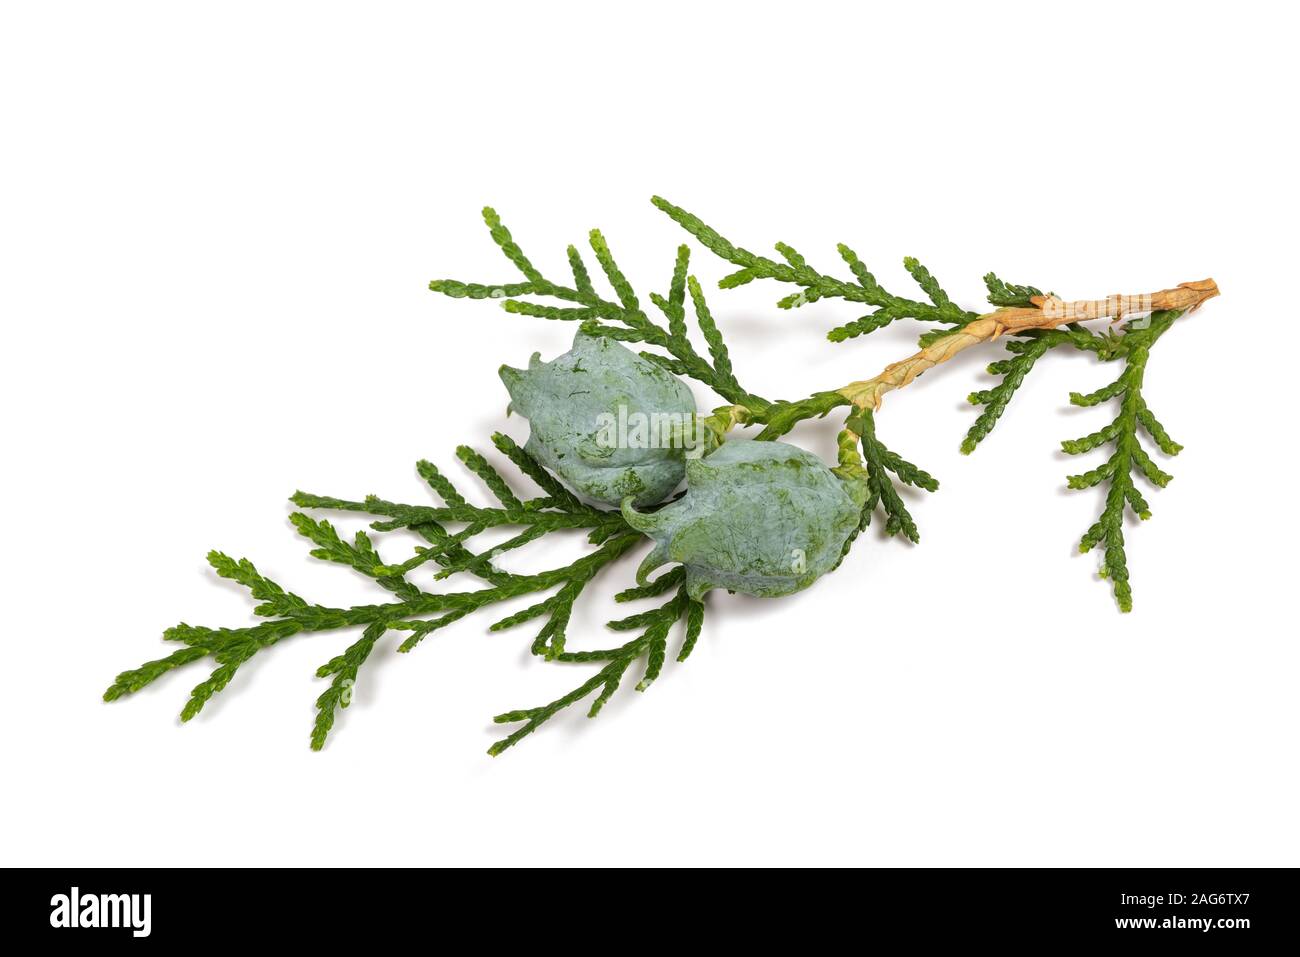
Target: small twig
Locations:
point(1047, 312)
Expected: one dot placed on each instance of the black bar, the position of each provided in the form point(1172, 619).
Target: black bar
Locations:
point(1228, 908)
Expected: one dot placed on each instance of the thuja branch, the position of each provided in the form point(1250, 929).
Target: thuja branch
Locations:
point(1039, 321)
point(1030, 321)
point(815, 285)
point(621, 318)
point(1033, 322)
point(1128, 457)
point(1046, 313)
point(417, 613)
point(717, 531)
point(1023, 310)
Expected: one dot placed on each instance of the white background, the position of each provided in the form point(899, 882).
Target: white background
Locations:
point(218, 224)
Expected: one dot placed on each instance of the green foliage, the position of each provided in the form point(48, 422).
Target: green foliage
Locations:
point(417, 612)
point(1024, 353)
point(621, 318)
point(816, 285)
point(1128, 457)
point(1007, 294)
point(880, 463)
point(449, 527)
point(1025, 350)
point(651, 645)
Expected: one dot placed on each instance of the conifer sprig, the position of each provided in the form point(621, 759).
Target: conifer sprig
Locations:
point(417, 612)
point(621, 318)
point(1025, 351)
point(1027, 340)
point(1034, 323)
point(815, 285)
point(1128, 457)
point(651, 644)
point(1031, 323)
point(880, 463)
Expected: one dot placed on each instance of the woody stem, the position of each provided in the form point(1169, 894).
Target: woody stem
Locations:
point(1045, 312)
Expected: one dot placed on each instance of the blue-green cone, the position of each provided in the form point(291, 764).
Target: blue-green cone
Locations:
point(609, 423)
point(763, 518)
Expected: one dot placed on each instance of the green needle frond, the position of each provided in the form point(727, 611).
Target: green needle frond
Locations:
point(621, 318)
point(651, 645)
point(880, 464)
point(816, 285)
point(1127, 458)
point(1008, 294)
point(416, 612)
